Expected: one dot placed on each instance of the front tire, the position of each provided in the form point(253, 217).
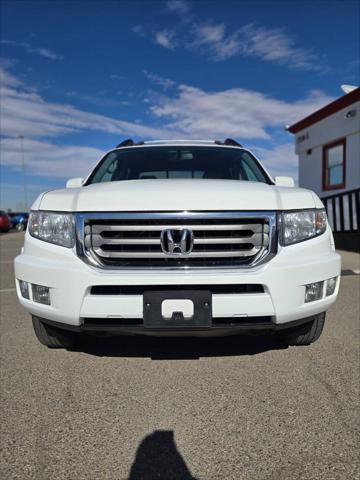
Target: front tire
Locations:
point(52, 337)
point(306, 334)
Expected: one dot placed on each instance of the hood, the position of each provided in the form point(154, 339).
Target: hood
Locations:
point(176, 195)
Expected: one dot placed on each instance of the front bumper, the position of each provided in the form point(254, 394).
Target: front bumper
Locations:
point(251, 326)
point(282, 301)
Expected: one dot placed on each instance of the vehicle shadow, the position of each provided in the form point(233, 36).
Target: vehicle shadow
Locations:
point(157, 457)
point(177, 348)
point(348, 272)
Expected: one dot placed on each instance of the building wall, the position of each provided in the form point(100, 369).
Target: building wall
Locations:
point(309, 146)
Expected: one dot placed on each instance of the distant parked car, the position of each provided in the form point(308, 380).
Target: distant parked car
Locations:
point(5, 223)
point(19, 220)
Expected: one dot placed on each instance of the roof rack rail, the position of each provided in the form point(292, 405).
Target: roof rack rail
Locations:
point(177, 140)
point(129, 142)
point(234, 143)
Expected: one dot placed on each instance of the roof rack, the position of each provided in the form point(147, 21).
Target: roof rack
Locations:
point(178, 140)
point(234, 143)
point(130, 142)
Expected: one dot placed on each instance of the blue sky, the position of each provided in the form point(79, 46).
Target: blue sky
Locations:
point(78, 77)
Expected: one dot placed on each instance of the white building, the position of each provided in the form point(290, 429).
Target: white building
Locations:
point(328, 145)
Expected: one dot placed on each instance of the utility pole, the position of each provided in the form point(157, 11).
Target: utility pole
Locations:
point(21, 138)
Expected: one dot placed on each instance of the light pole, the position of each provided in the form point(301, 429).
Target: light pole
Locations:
point(21, 138)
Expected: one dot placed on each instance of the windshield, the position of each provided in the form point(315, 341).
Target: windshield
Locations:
point(178, 162)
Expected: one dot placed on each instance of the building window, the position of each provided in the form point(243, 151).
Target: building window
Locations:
point(334, 165)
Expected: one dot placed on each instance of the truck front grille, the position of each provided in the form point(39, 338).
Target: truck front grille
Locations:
point(211, 239)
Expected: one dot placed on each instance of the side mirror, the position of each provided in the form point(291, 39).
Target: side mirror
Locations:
point(74, 182)
point(284, 182)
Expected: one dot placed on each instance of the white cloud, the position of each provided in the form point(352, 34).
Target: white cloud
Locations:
point(268, 44)
point(24, 112)
point(178, 6)
point(48, 159)
point(237, 112)
point(218, 42)
point(208, 34)
point(115, 76)
point(7, 79)
point(188, 112)
point(165, 38)
point(43, 52)
point(139, 30)
point(274, 45)
point(166, 83)
point(213, 40)
point(27, 113)
point(279, 160)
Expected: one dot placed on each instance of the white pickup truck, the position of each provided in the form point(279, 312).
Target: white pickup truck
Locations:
point(178, 238)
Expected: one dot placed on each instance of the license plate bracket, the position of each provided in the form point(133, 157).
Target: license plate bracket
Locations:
point(152, 309)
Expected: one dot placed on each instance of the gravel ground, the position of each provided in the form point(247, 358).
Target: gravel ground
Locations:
point(226, 408)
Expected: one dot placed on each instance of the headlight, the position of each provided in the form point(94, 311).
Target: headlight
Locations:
point(302, 225)
point(57, 228)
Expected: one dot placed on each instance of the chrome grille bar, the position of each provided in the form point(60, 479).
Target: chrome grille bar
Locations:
point(144, 228)
point(98, 240)
point(257, 239)
point(208, 253)
point(133, 239)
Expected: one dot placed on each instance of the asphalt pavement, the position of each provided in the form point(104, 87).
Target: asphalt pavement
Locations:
point(145, 409)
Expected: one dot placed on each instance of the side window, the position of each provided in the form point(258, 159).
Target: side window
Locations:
point(108, 175)
point(250, 175)
point(106, 170)
point(249, 170)
point(334, 165)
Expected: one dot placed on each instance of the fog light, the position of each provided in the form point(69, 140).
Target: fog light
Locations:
point(330, 286)
point(24, 289)
point(314, 291)
point(41, 294)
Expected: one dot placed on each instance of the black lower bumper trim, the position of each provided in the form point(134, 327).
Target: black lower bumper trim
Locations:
point(118, 325)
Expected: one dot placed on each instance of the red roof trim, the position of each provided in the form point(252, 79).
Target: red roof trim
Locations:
point(324, 112)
